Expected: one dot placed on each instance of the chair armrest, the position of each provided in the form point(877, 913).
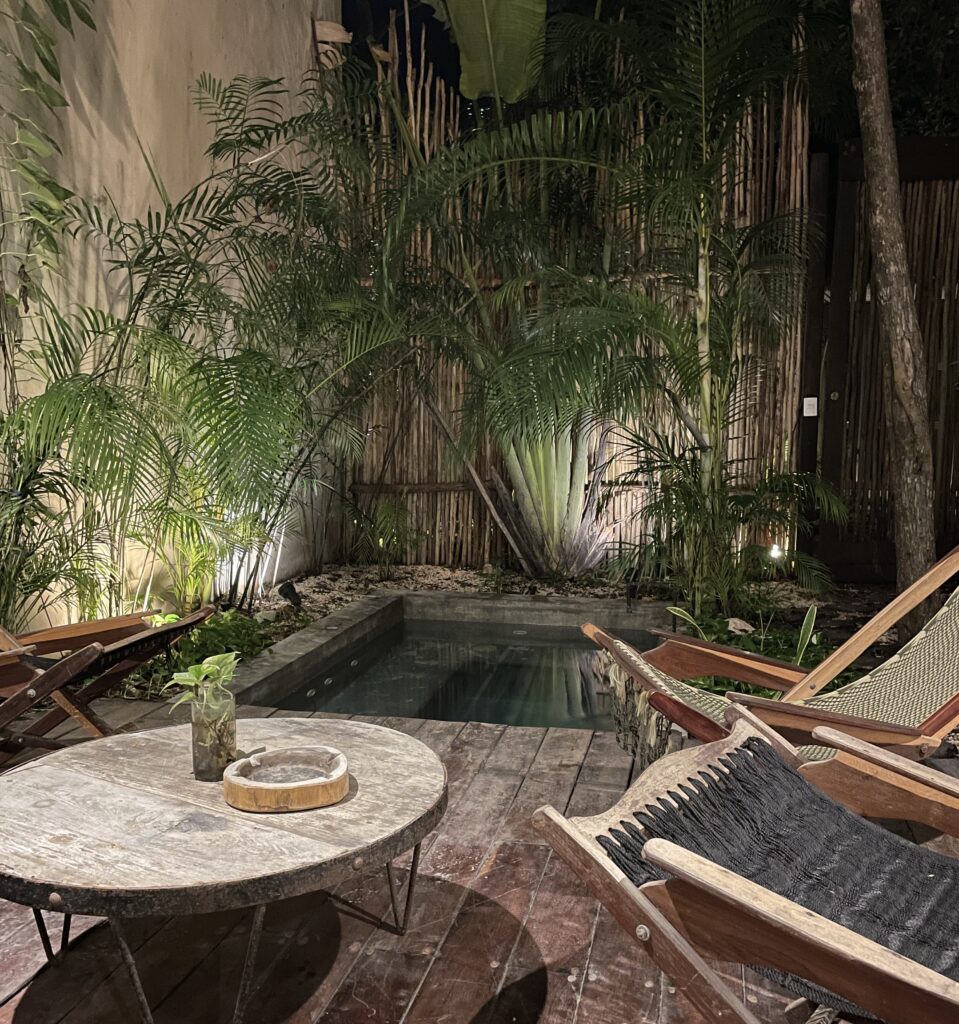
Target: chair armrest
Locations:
point(798, 721)
point(774, 664)
point(73, 636)
point(15, 654)
point(878, 783)
point(694, 722)
point(721, 911)
point(688, 658)
point(871, 754)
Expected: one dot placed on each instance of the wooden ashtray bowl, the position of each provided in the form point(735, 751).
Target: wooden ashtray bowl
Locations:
point(288, 779)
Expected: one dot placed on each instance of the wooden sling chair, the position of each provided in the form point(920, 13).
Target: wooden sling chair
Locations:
point(740, 851)
point(90, 677)
point(15, 650)
point(909, 703)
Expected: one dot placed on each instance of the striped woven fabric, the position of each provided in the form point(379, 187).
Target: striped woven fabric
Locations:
point(912, 684)
point(905, 690)
point(753, 814)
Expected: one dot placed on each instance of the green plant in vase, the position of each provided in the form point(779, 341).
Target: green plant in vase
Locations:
point(213, 713)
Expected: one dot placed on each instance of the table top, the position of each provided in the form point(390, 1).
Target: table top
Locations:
point(119, 826)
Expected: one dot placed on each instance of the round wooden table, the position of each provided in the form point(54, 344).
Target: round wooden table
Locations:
point(119, 828)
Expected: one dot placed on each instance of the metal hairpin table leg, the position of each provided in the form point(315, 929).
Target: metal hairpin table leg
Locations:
point(145, 1015)
point(54, 958)
point(401, 923)
point(246, 978)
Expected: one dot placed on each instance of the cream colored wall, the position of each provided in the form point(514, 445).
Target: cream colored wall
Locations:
point(133, 76)
point(132, 79)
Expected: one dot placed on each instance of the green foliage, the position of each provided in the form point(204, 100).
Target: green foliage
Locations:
point(591, 329)
point(806, 633)
point(207, 682)
point(31, 70)
point(499, 43)
point(36, 551)
point(800, 646)
point(163, 619)
point(540, 195)
point(384, 535)
point(726, 296)
point(705, 539)
point(230, 630)
point(260, 309)
point(922, 42)
point(194, 420)
point(223, 631)
point(494, 579)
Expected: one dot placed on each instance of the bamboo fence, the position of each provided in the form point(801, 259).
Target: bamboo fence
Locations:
point(931, 214)
point(408, 459)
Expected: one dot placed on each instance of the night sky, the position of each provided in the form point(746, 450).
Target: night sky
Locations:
point(368, 19)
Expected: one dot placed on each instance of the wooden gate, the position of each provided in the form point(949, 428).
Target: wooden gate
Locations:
point(843, 366)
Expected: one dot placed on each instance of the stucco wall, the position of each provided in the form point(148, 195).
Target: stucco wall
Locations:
point(129, 86)
point(132, 78)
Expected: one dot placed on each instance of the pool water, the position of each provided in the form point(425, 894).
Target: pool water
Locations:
point(529, 676)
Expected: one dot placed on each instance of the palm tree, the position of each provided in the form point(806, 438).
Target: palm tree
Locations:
point(605, 277)
point(192, 421)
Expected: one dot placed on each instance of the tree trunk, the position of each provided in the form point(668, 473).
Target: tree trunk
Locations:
point(907, 415)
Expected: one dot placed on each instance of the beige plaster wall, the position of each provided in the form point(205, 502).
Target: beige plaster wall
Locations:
point(132, 78)
point(129, 86)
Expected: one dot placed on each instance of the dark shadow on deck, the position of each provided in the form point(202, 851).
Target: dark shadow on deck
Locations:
point(316, 957)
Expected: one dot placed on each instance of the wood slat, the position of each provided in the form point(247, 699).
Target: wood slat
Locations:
point(502, 932)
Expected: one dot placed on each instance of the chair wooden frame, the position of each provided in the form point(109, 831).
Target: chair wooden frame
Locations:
point(795, 721)
point(795, 714)
point(705, 911)
point(71, 637)
point(101, 668)
point(678, 653)
point(45, 685)
point(16, 650)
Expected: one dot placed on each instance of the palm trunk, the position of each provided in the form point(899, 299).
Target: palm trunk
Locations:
point(907, 412)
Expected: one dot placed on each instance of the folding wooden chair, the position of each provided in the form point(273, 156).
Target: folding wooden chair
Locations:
point(12, 658)
point(742, 852)
point(60, 639)
point(15, 651)
point(46, 685)
point(909, 703)
point(98, 675)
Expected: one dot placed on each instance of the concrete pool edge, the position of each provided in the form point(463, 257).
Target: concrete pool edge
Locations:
point(292, 662)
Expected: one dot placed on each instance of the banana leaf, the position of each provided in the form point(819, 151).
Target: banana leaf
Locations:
point(500, 44)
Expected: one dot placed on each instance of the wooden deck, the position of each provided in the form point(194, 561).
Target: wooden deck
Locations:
point(501, 931)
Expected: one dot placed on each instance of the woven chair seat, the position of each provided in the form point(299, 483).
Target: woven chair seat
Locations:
point(912, 684)
point(905, 690)
point(753, 814)
point(712, 705)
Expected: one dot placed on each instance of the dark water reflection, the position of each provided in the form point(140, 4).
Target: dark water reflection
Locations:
point(458, 672)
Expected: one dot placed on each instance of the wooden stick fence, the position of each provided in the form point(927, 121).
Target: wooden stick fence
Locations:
point(855, 456)
point(407, 456)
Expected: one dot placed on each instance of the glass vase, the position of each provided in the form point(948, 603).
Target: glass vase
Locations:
point(214, 737)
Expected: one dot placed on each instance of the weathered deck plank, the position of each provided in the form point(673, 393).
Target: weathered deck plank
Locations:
point(502, 932)
point(545, 975)
point(464, 842)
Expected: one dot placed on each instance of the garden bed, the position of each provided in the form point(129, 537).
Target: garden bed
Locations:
point(841, 611)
